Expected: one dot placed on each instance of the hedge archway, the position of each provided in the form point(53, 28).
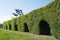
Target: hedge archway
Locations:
point(44, 28)
point(26, 28)
point(16, 28)
point(6, 27)
point(9, 27)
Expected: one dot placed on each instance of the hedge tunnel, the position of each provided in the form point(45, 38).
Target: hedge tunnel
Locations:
point(33, 23)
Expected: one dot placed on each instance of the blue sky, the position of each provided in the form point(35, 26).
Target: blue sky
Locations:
point(7, 7)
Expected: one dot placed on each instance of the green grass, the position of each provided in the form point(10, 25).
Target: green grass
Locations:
point(14, 35)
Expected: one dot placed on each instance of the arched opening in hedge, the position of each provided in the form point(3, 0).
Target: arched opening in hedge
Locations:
point(16, 28)
point(6, 27)
point(9, 27)
point(26, 28)
point(44, 28)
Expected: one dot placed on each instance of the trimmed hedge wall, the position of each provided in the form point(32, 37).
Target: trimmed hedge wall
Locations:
point(50, 14)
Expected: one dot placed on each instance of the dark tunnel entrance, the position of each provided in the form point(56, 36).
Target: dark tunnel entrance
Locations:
point(44, 28)
point(26, 28)
point(16, 29)
point(9, 27)
point(6, 27)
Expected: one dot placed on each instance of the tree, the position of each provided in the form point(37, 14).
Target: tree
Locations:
point(14, 14)
point(18, 12)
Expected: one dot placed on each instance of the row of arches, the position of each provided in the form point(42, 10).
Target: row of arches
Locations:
point(44, 28)
point(10, 27)
point(16, 28)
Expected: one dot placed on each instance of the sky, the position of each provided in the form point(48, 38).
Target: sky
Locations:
point(7, 7)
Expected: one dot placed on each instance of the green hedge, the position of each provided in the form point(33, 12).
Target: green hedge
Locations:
point(49, 13)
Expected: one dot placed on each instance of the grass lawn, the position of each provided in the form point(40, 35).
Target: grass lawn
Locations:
point(14, 35)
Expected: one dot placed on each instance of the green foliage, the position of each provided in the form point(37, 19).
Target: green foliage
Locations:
point(49, 13)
